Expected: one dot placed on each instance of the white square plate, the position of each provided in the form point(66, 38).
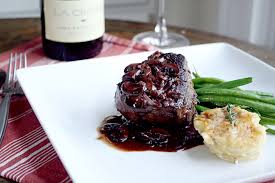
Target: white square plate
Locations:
point(71, 99)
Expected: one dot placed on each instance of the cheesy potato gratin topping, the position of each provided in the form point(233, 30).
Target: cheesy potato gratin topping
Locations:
point(233, 134)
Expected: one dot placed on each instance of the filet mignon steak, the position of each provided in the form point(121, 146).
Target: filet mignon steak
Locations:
point(158, 90)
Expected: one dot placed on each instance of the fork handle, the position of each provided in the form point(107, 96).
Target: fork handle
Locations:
point(4, 114)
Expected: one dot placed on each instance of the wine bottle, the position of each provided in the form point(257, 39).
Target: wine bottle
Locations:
point(72, 29)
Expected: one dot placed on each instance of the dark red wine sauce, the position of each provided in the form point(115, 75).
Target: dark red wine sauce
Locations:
point(140, 136)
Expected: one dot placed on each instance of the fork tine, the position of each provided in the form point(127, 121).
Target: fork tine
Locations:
point(20, 60)
point(25, 60)
point(10, 67)
point(14, 68)
point(8, 77)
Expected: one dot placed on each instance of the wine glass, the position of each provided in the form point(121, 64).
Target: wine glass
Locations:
point(160, 37)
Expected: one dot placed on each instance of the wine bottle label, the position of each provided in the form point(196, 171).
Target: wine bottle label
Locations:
point(72, 21)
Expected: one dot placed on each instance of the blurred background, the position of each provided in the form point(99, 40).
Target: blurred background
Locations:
point(249, 20)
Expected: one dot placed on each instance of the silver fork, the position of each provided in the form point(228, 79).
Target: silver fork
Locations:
point(10, 87)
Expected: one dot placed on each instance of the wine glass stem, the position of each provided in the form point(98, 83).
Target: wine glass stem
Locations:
point(161, 7)
point(161, 27)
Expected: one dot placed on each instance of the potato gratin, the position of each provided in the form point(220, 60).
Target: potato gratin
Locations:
point(233, 134)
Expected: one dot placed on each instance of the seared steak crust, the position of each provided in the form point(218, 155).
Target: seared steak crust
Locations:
point(158, 90)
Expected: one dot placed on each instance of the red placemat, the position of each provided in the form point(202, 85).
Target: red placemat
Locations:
point(26, 155)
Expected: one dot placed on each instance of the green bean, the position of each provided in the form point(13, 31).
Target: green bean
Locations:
point(260, 106)
point(270, 115)
point(267, 121)
point(269, 100)
point(219, 104)
point(233, 83)
point(250, 109)
point(260, 93)
point(197, 86)
point(207, 80)
point(235, 93)
point(271, 131)
point(201, 108)
point(235, 88)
